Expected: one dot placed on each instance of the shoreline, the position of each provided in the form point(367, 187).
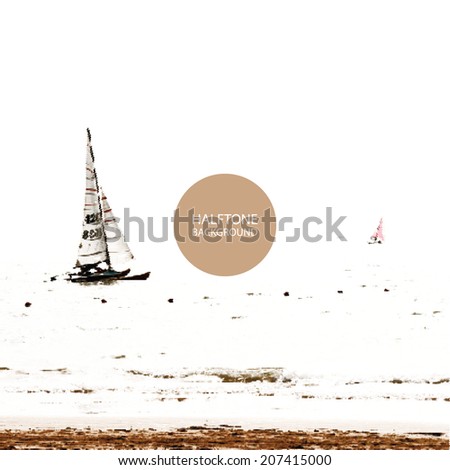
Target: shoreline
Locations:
point(215, 438)
point(380, 416)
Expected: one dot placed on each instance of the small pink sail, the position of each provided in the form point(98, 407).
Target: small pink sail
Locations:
point(378, 236)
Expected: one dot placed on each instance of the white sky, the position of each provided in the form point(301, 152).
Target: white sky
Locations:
point(343, 104)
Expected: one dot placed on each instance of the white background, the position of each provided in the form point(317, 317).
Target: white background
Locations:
point(321, 103)
point(343, 104)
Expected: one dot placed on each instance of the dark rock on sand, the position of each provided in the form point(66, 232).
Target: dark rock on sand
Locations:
point(286, 294)
point(27, 304)
point(104, 301)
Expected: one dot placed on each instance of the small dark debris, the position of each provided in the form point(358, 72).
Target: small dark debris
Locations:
point(440, 381)
point(170, 301)
point(27, 304)
point(396, 381)
point(340, 291)
point(386, 290)
point(104, 301)
point(62, 370)
point(286, 294)
point(138, 372)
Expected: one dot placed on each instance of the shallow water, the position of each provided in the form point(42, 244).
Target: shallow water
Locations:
point(371, 357)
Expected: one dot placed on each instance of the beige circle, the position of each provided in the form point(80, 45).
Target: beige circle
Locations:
point(225, 224)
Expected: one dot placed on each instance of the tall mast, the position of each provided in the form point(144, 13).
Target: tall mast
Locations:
point(108, 260)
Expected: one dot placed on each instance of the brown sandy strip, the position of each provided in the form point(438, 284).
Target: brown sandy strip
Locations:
point(216, 438)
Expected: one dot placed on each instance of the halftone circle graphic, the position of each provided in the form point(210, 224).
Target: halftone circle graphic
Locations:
point(225, 224)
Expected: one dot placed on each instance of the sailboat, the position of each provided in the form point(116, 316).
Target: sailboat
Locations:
point(102, 244)
point(377, 236)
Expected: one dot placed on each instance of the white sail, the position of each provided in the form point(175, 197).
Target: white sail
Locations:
point(92, 248)
point(118, 249)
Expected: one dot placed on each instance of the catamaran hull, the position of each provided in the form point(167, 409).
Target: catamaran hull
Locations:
point(110, 276)
point(99, 277)
point(136, 277)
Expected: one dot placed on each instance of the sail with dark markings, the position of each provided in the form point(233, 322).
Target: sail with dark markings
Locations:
point(92, 249)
